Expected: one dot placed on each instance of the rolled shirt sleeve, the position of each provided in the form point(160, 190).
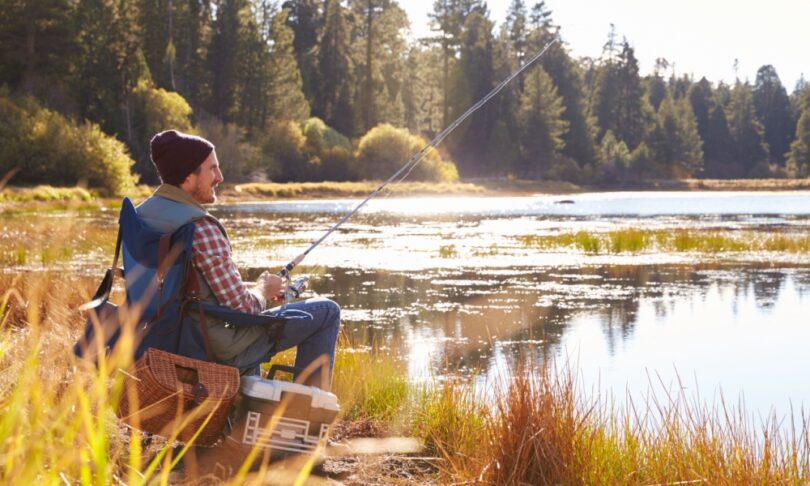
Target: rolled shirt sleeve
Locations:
point(211, 254)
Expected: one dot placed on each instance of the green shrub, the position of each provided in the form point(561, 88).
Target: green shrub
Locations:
point(44, 147)
point(384, 149)
point(321, 137)
point(160, 110)
point(239, 159)
point(284, 151)
point(154, 110)
point(311, 151)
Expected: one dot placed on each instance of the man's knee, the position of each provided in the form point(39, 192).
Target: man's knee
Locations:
point(330, 306)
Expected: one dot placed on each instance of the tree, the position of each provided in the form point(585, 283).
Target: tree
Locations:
point(713, 129)
point(36, 39)
point(175, 37)
point(631, 116)
point(517, 30)
point(747, 133)
point(110, 63)
point(224, 54)
point(379, 53)
point(445, 21)
point(774, 112)
point(675, 141)
point(656, 87)
point(333, 100)
point(567, 76)
point(798, 159)
point(476, 78)
point(305, 17)
point(541, 125)
point(285, 91)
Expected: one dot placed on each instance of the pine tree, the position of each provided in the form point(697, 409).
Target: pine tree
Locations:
point(798, 159)
point(286, 96)
point(774, 112)
point(175, 36)
point(446, 22)
point(36, 40)
point(541, 125)
point(655, 84)
point(333, 100)
point(631, 116)
point(476, 78)
point(713, 129)
point(224, 55)
point(567, 76)
point(620, 104)
point(379, 51)
point(747, 133)
point(517, 30)
point(306, 20)
point(675, 141)
point(110, 62)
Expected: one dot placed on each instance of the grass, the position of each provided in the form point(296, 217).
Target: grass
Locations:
point(636, 241)
point(58, 424)
point(542, 430)
point(448, 251)
point(346, 189)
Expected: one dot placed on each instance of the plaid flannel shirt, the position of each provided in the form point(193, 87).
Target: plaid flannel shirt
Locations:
point(211, 254)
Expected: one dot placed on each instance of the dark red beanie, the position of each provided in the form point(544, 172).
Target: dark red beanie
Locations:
point(177, 154)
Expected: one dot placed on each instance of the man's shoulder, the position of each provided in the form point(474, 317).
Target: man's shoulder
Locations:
point(210, 230)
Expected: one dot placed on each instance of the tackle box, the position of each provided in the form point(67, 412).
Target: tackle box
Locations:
point(282, 416)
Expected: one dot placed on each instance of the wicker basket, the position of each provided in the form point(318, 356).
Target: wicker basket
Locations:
point(166, 392)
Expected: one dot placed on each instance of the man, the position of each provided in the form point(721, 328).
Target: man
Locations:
point(189, 171)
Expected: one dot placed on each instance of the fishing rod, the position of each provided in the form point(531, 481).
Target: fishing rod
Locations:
point(417, 157)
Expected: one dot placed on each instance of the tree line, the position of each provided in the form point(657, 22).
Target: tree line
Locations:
point(295, 90)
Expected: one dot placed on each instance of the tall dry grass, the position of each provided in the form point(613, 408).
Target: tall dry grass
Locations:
point(542, 430)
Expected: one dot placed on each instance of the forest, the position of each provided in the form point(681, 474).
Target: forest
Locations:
point(314, 90)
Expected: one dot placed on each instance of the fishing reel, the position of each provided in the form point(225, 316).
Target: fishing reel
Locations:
point(295, 288)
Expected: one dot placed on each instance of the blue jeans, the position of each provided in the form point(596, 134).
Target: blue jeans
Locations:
point(315, 338)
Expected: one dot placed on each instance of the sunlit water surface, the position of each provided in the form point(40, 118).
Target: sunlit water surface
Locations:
point(447, 284)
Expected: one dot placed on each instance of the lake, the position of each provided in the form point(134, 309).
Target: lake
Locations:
point(450, 285)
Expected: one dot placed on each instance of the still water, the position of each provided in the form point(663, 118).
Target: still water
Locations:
point(446, 283)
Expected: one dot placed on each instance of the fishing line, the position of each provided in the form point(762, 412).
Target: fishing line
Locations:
point(418, 156)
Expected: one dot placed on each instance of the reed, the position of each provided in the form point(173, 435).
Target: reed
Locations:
point(543, 430)
point(636, 241)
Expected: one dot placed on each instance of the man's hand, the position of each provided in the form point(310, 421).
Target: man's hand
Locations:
point(271, 286)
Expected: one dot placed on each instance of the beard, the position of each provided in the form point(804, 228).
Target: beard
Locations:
point(204, 193)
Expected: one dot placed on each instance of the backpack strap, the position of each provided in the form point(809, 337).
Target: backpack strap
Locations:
point(115, 269)
point(192, 287)
point(105, 288)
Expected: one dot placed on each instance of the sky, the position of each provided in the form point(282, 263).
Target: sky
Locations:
point(701, 37)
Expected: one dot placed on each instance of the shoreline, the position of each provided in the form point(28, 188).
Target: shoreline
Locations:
point(15, 199)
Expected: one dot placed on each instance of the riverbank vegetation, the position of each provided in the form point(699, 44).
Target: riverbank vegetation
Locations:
point(308, 91)
point(536, 427)
point(663, 241)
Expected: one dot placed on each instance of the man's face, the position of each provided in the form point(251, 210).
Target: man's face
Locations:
point(202, 185)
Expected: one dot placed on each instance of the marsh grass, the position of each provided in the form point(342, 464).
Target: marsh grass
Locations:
point(45, 239)
point(448, 251)
point(635, 241)
point(348, 189)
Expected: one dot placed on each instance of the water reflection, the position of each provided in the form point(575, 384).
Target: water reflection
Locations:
point(615, 321)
